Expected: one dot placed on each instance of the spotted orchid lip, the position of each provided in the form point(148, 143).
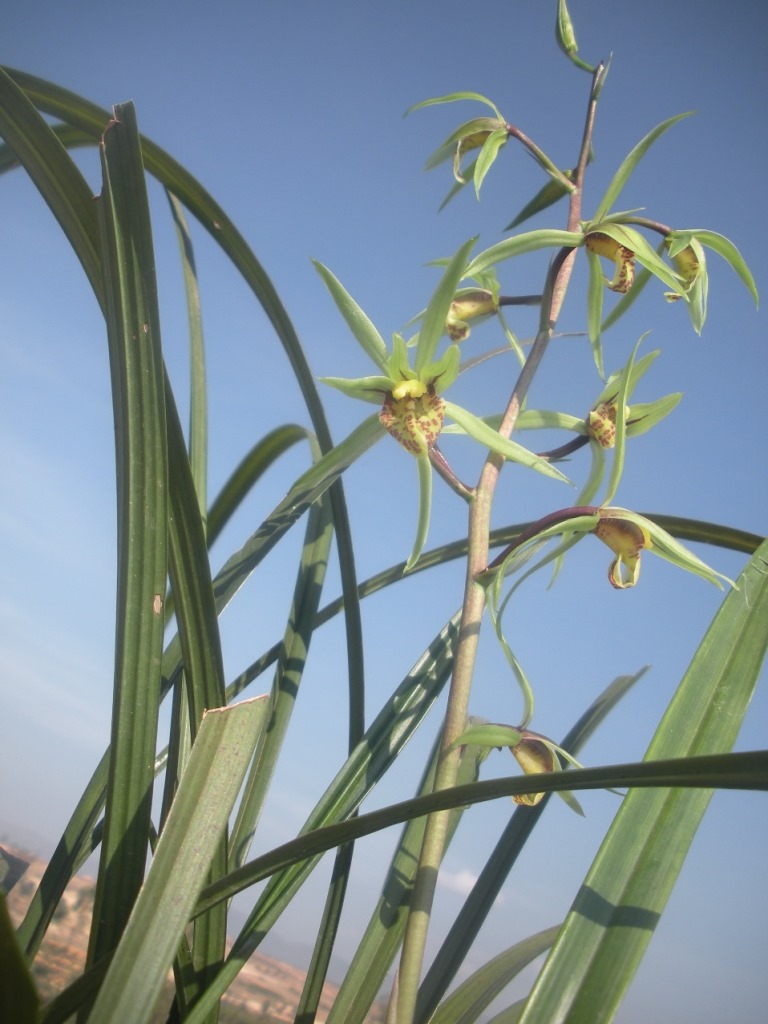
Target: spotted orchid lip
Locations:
point(414, 417)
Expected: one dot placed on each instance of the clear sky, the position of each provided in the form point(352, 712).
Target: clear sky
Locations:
point(291, 115)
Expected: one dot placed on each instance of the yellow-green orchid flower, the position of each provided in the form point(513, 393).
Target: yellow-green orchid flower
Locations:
point(626, 538)
point(686, 250)
point(411, 395)
point(628, 534)
point(623, 258)
point(536, 754)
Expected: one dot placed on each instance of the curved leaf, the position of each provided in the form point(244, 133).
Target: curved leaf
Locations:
point(614, 915)
point(453, 97)
point(631, 161)
point(512, 451)
point(358, 322)
point(529, 241)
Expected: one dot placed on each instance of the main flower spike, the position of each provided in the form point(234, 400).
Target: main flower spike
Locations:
point(410, 396)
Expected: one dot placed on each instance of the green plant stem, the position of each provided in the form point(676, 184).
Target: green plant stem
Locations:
point(433, 846)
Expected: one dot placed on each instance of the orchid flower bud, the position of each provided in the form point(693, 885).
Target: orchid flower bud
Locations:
point(474, 302)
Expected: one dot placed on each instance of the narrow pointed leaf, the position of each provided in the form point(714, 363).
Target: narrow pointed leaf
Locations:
point(433, 323)
point(615, 913)
point(425, 507)
point(487, 155)
point(517, 245)
point(194, 828)
point(630, 163)
point(453, 97)
point(56, 176)
point(362, 328)
point(548, 194)
point(512, 451)
point(198, 405)
point(133, 328)
point(725, 248)
point(467, 1004)
point(595, 290)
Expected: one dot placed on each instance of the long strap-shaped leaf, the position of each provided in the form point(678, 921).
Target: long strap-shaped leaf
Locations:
point(133, 327)
point(90, 118)
point(616, 910)
point(383, 741)
point(195, 826)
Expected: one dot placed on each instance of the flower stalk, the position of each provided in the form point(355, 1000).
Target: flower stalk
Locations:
point(433, 846)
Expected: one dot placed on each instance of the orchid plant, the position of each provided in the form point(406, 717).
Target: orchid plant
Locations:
point(218, 754)
point(413, 412)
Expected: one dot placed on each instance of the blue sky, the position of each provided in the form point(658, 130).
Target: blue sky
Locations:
point(291, 115)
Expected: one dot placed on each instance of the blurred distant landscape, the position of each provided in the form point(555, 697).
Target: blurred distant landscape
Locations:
point(267, 990)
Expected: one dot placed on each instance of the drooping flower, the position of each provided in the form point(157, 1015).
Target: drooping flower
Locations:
point(626, 538)
point(628, 533)
point(469, 304)
point(535, 756)
point(623, 258)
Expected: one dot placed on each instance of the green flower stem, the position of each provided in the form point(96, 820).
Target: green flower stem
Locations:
point(403, 1005)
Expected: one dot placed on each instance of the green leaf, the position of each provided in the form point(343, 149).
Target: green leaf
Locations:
point(454, 97)
point(197, 821)
point(626, 383)
point(425, 506)
point(433, 324)
point(548, 194)
point(529, 241)
point(510, 450)
point(367, 389)
point(566, 37)
point(133, 329)
point(456, 145)
point(248, 471)
point(644, 252)
point(747, 771)
point(472, 997)
point(362, 328)
point(19, 1000)
point(595, 290)
point(631, 161)
point(615, 913)
point(725, 248)
point(198, 406)
point(487, 155)
point(56, 176)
